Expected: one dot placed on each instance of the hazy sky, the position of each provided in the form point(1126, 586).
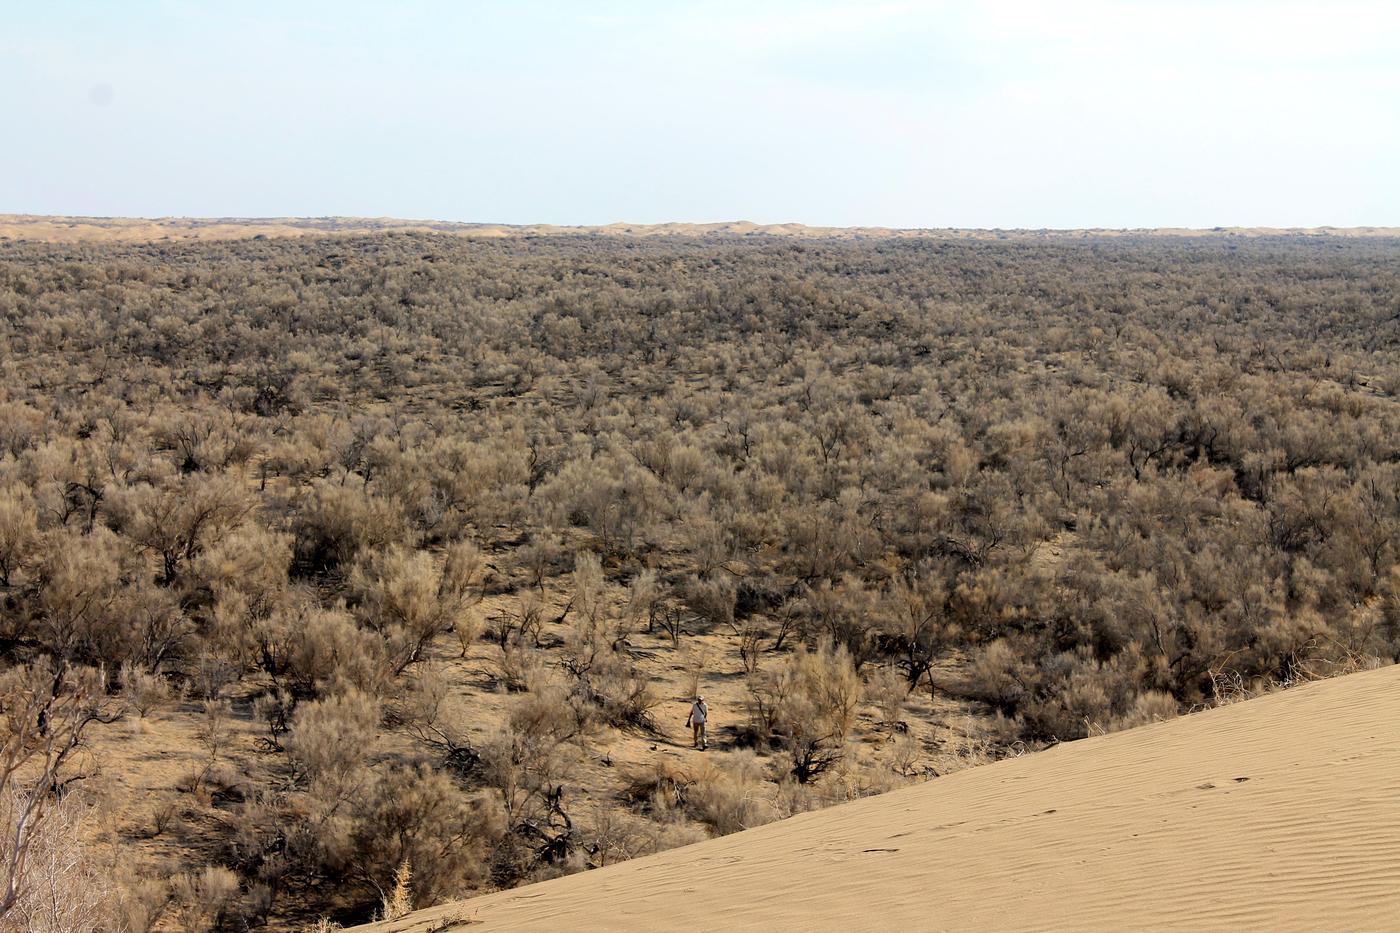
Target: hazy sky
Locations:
point(927, 114)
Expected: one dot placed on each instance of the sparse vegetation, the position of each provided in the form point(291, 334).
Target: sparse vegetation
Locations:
point(400, 556)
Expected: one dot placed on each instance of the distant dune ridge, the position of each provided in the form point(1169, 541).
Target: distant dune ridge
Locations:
point(49, 229)
point(1279, 813)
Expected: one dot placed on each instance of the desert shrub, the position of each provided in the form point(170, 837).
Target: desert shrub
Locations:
point(410, 599)
point(539, 557)
point(524, 761)
point(177, 519)
point(85, 610)
point(999, 675)
point(617, 835)
point(397, 902)
point(215, 732)
point(336, 524)
point(19, 532)
point(1390, 613)
point(808, 707)
point(603, 672)
point(695, 662)
point(913, 622)
point(887, 689)
point(511, 626)
point(421, 712)
point(520, 666)
point(845, 615)
point(250, 565)
point(319, 651)
point(609, 495)
point(331, 738)
point(57, 884)
point(751, 635)
point(420, 817)
point(712, 599)
point(140, 903)
point(820, 709)
point(204, 898)
point(1148, 707)
point(730, 793)
point(45, 713)
point(727, 792)
point(643, 597)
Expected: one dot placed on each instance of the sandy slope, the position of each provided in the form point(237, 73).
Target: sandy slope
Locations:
point(1278, 813)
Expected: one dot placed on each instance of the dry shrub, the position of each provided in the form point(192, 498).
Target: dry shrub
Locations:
point(914, 623)
point(696, 661)
point(338, 523)
point(974, 742)
point(177, 519)
point(1080, 695)
point(44, 715)
point(903, 753)
point(19, 532)
point(660, 786)
point(143, 693)
point(540, 557)
point(643, 595)
point(468, 628)
point(844, 614)
point(624, 694)
point(1000, 676)
point(730, 793)
point(525, 760)
point(520, 666)
point(248, 566)
point(411, 599)
point(712, 599)
point(1390, 612)
point(332, 738)
point(751, 635)
point(868, 773)
point(887, 689)
point(526, 620)
point(320, 651)
point(204, 898)
point(215, 731)
point(617, 835)
point(1152, 706)
point(141, 903)
point(807, 705)
point(727, 791)
point(322, 925)
point(421, 713)
point(60, 886)
point(820, 710)
point(88, 612)
point(604, 673)
point(417, 815)
point(398, 901)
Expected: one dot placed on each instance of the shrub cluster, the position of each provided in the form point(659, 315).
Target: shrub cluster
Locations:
point(1083, 484)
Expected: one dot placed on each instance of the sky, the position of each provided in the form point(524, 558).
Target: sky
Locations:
point(1074, 113)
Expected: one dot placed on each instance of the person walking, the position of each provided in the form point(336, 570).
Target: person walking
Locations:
point(699, 714)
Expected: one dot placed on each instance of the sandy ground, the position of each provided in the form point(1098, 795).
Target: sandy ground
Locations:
point(1279, 813)
point(53, 229)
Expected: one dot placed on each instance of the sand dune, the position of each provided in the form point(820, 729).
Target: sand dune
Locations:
point(1280, 813)
point(46, 229)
